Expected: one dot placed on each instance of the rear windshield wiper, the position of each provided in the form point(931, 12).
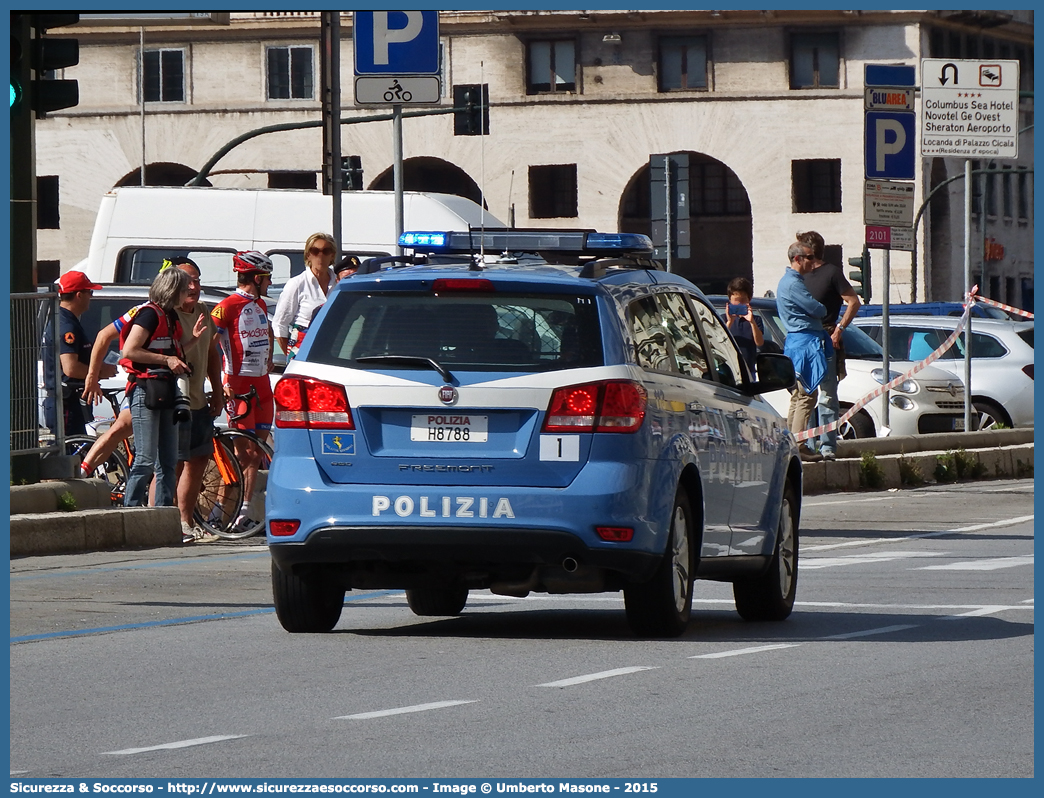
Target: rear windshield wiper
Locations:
point(408, 360)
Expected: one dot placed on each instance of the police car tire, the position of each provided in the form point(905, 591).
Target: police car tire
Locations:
point(305, 605)
point(770, 597)
point(442, 600)
point(661, 606)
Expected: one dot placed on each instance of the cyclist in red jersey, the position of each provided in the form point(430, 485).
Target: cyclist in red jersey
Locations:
point(245, 340)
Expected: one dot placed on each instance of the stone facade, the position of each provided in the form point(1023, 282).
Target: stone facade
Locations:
point(748, 118)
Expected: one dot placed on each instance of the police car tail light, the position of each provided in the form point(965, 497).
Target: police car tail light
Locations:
point(311, 404)
point(290, 403)
point(613, 534)
point(445, 285)
point(611, 406)
point(623, 407)
point(327, 406)
point(573, 409)
point(282, 529)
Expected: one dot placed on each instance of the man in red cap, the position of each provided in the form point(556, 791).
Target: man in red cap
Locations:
point(74, 349)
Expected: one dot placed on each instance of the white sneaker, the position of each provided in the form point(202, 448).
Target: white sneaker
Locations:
point(188, 534)
point(204, 535)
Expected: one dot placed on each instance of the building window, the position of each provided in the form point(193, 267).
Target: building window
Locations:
point(683, 63)
point(290, 73)
point(292, 180)
point(551, 66)
point(552, 191)
point(164, 76)
point(817, 185)
point(1023, 193)
point(991, 192)
point(1006, 192)
point(714, 190)
point(47, 202)
point(815, 61)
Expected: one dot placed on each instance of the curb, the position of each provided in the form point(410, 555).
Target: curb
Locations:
point(999, 462)
point(42, 497)
point(36, 534)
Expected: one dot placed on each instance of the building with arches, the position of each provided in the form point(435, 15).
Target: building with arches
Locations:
point(765, 110)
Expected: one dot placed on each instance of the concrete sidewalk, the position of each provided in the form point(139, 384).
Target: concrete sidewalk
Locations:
point(38, 527)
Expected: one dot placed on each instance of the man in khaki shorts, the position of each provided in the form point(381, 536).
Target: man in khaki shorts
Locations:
point(195, 437)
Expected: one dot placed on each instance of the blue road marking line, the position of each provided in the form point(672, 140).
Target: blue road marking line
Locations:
point(176, 621)
point(162, 564)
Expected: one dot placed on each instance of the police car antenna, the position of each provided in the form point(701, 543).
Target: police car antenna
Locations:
point(482, 164)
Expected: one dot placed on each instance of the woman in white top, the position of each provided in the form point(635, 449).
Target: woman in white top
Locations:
point(304, 293)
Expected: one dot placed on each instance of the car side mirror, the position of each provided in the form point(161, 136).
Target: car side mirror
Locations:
point(774, 373)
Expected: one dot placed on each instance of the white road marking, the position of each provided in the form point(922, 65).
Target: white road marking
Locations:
point(882, 630)
point(591, 677)
point(977, 613)
point(383, 713)
point(739, 651)
point(812, 563)
point(992, 564)
point(920, 536)
point(180, 744)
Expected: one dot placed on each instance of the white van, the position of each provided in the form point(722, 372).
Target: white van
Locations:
point(139, 226)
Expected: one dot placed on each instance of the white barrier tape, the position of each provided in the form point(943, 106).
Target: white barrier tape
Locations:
point(1008, 308)
point(817, 431)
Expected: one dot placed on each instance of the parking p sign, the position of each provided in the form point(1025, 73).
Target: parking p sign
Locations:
point(396, 42)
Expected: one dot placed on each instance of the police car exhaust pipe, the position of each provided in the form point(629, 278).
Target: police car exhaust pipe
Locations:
point(569, 565)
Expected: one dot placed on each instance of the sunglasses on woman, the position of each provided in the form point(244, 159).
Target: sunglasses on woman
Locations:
point(323, 251)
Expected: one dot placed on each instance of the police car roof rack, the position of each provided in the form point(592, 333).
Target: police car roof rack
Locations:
point(503, 240)
point(594, 269)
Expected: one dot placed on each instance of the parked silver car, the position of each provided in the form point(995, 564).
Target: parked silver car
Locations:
point(1002, 360)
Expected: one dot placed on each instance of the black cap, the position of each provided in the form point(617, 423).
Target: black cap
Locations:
point(347, 262)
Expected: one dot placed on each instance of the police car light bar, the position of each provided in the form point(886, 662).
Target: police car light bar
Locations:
point(577, 241)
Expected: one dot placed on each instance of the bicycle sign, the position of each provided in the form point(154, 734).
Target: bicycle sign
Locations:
point(397, 90)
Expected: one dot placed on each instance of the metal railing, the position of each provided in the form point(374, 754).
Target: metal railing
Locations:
point(31, 315)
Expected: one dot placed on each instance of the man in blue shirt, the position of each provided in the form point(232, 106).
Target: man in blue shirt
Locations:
point(807, 343)
point(74, 351)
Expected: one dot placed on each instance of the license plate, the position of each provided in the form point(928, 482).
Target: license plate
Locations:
point(958, 424)
point(449, 428)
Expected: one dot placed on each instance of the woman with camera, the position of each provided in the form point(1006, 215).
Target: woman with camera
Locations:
point(153, 356)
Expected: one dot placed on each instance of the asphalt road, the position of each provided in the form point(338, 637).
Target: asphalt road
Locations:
point(910, 653)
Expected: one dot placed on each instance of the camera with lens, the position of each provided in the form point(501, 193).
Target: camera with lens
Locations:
point(182, 412)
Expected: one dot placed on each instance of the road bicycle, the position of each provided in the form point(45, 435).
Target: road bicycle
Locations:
point(115, 468)
point(240, 407)
point(221, 490)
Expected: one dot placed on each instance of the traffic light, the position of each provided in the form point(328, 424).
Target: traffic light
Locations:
point(351, 173)
point(861, 279)
point(471, 117)
point(20, 38)
point(46, 93)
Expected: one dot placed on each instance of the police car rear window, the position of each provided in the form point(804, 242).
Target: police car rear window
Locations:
point(505, 332)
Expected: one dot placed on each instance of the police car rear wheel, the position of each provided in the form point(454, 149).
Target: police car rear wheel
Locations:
point(305, 604)
point(661, 606)
point(770, 597)
point(442, 600)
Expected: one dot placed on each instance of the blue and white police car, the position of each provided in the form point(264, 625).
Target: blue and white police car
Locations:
point(524, 411)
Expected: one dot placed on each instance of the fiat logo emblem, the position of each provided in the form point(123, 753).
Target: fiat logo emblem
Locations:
point(447, 394)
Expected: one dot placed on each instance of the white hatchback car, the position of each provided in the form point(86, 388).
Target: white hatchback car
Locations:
point(930, 401)
point(1002, 360)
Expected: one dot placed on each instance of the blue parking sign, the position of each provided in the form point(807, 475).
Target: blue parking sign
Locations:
point(396, 42)
point(890, 145)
